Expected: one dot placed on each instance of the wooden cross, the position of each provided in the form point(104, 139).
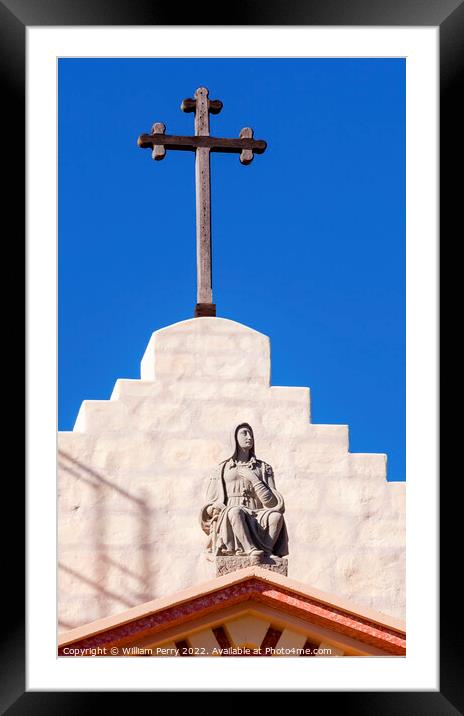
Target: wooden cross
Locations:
point(202, 144)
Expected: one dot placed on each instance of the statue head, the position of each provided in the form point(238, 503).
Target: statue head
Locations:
point(244, 438)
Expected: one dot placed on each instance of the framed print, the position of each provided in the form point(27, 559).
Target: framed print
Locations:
point(74, 74)
point(191, 393)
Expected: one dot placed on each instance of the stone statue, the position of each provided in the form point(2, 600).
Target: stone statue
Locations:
point(243, 514)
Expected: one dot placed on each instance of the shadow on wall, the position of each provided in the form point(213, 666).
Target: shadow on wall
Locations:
point(111, 576)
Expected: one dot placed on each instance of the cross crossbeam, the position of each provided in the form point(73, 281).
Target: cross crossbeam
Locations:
point(202, 144)
point(190, 144)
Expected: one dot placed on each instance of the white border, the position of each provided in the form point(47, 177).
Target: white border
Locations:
point(419, 669)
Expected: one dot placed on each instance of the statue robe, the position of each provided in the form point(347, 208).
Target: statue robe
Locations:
point(256, 501)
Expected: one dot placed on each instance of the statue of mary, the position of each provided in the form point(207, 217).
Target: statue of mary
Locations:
point(243, 514)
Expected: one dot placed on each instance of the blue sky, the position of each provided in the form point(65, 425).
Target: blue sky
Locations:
point(308, 240)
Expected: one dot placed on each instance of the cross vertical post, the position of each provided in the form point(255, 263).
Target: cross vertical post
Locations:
point(203, 205)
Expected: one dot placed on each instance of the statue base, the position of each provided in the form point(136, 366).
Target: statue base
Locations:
point(231, 563)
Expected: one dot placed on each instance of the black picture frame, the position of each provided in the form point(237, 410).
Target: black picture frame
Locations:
point(15, 17)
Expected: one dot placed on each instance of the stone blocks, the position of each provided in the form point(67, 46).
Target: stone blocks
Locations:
point(208, 349)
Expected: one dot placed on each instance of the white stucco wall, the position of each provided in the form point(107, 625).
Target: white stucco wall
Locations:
point(132, 476)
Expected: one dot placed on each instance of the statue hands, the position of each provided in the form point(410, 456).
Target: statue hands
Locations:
point(214, 510)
